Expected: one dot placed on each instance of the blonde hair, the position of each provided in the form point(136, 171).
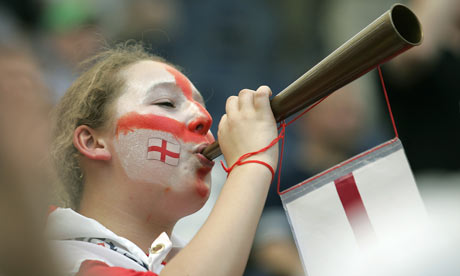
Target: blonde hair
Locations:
point(88, 102)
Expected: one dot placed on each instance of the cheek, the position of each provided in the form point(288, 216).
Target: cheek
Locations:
point(156, 157)
point(202, 184)
point(163, 150)
point(155, 149)
point(148, 156)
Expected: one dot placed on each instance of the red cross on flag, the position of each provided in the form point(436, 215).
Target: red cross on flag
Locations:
point(347, 213)
point(164, 151)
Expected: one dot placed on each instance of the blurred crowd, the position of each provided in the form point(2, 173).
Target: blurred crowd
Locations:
point(224, 46)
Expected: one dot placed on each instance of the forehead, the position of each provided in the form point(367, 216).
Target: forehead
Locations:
point(144, 75)
point(145, 70)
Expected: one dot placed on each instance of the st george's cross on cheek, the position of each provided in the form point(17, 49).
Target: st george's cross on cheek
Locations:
point(164, 151)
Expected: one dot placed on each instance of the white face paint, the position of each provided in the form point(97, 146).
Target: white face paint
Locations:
point(161, 129)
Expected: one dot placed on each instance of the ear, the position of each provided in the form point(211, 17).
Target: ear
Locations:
point(90, 144)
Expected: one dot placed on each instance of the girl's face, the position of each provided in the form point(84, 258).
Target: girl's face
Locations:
point(161, 129)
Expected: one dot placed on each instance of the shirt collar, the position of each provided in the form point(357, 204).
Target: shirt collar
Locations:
point(66, 224)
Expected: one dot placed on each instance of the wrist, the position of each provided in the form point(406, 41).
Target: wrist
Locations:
point(270, 153)
point(240, 162)
point(269, 157)
point(263, 172)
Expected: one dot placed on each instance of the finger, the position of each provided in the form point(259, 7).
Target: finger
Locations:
point(246, 99)
point(231, 107)
point(222, 122)
point(265, 89)
point(261, 97)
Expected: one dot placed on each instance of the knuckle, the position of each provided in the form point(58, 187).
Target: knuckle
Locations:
point(264, 89)
point(245, 92)
point(231, 98)
point(261, 94)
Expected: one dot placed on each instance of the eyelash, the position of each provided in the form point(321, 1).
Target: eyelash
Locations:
point(166, 104)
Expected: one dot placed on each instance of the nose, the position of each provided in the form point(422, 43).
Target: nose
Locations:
point(202, 123)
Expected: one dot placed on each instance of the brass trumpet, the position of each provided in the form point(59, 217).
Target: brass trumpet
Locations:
point(393, 33)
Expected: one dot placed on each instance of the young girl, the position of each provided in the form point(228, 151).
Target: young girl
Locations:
point(128, 146)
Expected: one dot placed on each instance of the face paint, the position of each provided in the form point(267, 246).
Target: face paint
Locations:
point(186, 87)
point(133, 120)
point(200, 185)
point(158, 143)
point(164, 151)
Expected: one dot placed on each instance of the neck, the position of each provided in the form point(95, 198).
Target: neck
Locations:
point(101, 201)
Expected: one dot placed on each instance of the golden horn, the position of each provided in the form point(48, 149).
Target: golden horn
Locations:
point(394, 32)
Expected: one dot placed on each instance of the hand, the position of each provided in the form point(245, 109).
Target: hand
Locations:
point(248, 126)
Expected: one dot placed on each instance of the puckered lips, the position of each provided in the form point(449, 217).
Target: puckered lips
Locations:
point(198, 151)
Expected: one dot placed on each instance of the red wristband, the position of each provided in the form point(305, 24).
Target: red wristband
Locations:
point(239, 162)
point(249, 154)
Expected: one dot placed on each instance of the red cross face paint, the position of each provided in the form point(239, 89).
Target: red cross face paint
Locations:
point(162, 128)
point(164, 151)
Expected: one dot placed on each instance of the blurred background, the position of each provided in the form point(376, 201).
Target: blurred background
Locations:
point(223, 47)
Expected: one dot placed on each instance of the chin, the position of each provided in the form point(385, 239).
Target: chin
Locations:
point(194, 191)
point(184, 203)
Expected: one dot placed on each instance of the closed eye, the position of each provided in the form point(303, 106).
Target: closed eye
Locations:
point(165, 104)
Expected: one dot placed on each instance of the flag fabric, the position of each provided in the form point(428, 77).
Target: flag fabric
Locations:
point(345, 214)
point(164, 151)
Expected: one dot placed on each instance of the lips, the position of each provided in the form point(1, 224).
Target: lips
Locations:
point(203, 160)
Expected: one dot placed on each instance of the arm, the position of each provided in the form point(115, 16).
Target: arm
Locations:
point(223, 244)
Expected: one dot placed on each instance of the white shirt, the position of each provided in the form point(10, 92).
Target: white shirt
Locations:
point(76, 238)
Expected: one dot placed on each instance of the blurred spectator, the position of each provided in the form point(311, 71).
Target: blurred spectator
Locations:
point(154, 22)
point(69, 33)
point(274, 252)
point(24, 171)
point(333, 131)
point(72, 30)
point(25, 103)
point(27, 12)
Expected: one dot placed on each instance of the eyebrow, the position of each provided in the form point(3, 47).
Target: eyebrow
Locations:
point(153, 86)
point(198, 95)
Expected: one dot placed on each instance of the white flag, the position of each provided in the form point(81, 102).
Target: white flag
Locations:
point(343, 216)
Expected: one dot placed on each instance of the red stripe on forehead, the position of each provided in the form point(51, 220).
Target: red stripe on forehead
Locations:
point(186, 86)
point(133, 120)
point(181, 81)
